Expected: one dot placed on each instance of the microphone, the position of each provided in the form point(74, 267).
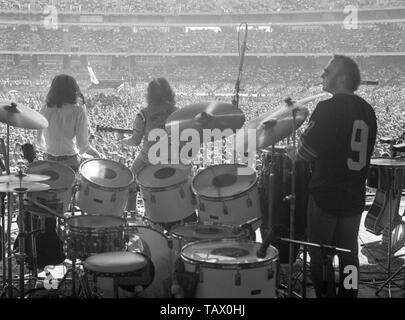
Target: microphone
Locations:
point(369, 82)
point(235, 100)
point(243, 48)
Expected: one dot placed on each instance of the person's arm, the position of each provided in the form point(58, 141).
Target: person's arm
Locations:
point(138, 132)
point(82, 135)
point(315, 137)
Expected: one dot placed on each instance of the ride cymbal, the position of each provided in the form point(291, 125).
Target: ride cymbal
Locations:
point(206, 115)
point(22, 116)
point(273, 126)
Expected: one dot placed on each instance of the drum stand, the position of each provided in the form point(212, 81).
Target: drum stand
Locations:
point(327, 252)
point(72, 269)
point(391, 190)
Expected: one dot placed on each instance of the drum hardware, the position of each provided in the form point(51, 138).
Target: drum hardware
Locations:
point(22, 117)
point(327, 253)
point(393, 187)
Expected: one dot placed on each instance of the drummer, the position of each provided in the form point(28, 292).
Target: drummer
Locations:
point(339, 141)
point(160, 100)
point(67, 135)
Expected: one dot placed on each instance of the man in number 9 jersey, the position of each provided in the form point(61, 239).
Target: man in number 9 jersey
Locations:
point(339, 142)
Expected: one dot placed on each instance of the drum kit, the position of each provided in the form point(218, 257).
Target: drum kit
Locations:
point(200, 227)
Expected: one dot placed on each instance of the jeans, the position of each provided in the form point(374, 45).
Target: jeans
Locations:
point(333, 230)
point(70, 161)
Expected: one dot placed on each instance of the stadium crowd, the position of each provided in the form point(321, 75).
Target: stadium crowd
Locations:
point(192, 6)
point(118, 107)
point(383, 37)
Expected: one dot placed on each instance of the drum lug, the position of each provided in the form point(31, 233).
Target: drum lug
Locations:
point(182, 193)
point(152, 198)
point(238, 279)
point(225, 209)
point(113, 197)
point(202, 207)
point(200, 274)
point(270, 273)
point(249, 202)
point(87, 191)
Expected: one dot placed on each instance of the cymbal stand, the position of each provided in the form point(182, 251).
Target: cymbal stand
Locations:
point(72, 269)
point(9, 252)
point(3, 238)
point(292, 198)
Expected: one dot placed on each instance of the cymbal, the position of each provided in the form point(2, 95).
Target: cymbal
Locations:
point(23, 187)
point(21, 116)
point(25, 177)
point(206, 115)
point(274, 126)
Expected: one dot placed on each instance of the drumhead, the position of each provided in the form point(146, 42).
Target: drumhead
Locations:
point(387, 162)
point(61, 175)
point(95, 221)
point(106, 173)
point(227, 252)
point(221, 181)
point(163, 175)
point(203, 231)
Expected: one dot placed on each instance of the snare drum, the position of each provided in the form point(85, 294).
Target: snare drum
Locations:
point(149, 239)
point(385, 173)
point(230, 269)
point(166, 191)
point(190, 232)
point(226, 196)
point(87, 235)
point(61, 183)
point(104, 187)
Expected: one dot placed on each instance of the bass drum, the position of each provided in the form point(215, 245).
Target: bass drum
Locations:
point(230, 269)
point(276, 211)
point(148, 238)
point(104, 187)
point(227, 193)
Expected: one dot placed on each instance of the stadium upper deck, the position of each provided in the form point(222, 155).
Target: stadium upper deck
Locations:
point(178, 7)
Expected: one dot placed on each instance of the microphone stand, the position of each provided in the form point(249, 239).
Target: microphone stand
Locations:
point(235, 100)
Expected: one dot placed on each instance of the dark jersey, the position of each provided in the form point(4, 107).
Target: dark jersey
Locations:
point(340, 137)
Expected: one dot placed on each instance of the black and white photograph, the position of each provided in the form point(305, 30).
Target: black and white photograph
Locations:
point(187, 151)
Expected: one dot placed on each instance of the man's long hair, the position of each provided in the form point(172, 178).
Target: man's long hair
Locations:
point(160, 93)
point(64, 89)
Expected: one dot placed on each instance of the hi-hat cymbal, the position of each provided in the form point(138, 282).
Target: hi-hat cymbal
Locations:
point(273, 126)
point(23, 187)
point(206, 115)
point(21, 116)
point(24, 178)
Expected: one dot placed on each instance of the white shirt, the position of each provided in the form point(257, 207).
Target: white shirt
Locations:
point(67, 133)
